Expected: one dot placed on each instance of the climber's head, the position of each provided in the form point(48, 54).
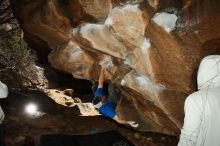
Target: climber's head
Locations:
point(209, 72)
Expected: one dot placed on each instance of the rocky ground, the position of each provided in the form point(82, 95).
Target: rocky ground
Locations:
point(55, 118)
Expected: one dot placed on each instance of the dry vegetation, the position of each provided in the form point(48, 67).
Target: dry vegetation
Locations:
point(16, 59)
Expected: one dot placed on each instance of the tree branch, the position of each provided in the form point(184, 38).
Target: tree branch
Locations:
point(4, 10)
point(7, 68)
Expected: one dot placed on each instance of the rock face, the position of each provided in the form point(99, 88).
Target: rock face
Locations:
point(152, 48)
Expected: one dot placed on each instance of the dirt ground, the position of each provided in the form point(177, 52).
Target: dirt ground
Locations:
point(54, 118)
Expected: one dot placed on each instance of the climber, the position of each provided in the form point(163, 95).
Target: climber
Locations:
point(202, 119)
point(106, 105)
point(3, 94)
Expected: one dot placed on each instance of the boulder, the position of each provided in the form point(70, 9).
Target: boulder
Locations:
point(152, 48)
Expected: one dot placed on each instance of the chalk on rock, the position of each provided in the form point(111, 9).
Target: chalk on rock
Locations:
point(123, 82)
point(165, 20)
point(107, 62)
point(145, 45)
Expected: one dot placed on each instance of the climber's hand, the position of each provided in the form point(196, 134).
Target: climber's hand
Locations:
point(106, 62)
point(102, 64)
point(133, 124)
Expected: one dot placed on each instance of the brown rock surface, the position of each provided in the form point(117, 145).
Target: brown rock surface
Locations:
point(155, 64)
point(21, 127)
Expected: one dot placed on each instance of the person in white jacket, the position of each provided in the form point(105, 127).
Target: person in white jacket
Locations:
point(3, 94)
point(202, 108)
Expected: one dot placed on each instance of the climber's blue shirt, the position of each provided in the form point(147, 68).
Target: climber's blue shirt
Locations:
point(108, 109)
point(99, 92)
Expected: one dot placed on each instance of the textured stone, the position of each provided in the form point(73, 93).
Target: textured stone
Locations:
point(154, 58)
point(97, 8)
point(69, 92)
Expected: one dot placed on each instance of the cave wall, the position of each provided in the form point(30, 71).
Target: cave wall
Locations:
point(153, 48)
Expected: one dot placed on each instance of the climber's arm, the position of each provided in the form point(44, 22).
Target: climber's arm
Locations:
point(117, 119)
point(121, 121)
point(101, 78)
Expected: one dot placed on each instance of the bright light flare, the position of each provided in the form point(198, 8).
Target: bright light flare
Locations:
point(31, 109)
